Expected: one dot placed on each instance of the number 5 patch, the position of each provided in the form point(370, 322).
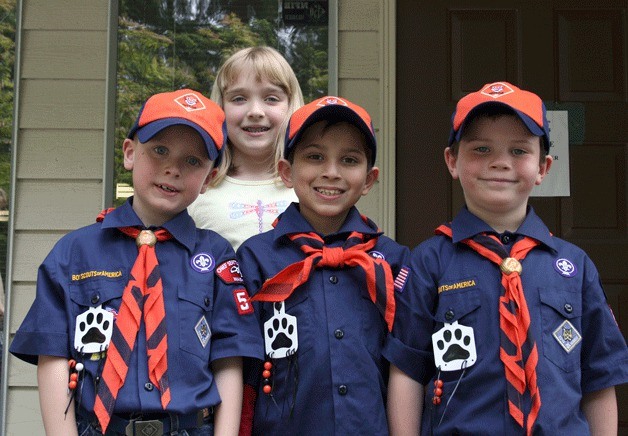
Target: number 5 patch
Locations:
point(242, 301)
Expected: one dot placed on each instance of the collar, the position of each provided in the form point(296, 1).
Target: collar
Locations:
point(181, 227)
point(291, 221)
point(466, 225)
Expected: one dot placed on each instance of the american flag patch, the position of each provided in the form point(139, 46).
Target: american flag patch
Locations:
point(402, 277)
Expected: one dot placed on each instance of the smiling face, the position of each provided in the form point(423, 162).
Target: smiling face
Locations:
point(255, 110)
point(169, 172)
point(498, 162)
point(329, 172)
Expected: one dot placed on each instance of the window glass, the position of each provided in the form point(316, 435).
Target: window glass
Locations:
point(166, 45)
point(7, 65)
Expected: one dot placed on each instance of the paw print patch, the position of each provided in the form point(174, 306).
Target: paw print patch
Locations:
point(92, 333)
point(280, 333)
point(454, 347)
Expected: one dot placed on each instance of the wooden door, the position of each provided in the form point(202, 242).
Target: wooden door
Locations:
point(573, 54)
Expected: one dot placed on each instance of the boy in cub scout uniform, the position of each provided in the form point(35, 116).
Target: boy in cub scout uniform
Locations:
point(141, 320)
point(325, 277)
point(505, 325)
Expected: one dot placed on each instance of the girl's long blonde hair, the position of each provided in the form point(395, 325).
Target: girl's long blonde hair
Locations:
point(267, 63)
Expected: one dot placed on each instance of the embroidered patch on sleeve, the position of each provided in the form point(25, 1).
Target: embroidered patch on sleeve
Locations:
point(402, 277)
point(243, 302)
point(229, 272)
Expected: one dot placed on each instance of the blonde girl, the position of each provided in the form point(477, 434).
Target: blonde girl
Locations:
point(258, 91)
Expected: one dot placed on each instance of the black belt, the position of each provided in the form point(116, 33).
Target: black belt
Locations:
point(157, 424)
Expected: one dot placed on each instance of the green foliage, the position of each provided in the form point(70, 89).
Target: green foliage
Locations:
point(7, 62)
point(167, 44)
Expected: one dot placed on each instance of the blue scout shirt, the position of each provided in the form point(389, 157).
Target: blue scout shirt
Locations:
point(90, 267)
point(336, 382)
point(580, 346)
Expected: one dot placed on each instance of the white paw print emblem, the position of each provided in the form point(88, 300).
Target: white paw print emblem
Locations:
point(280, 333)
point(454, 347)
point(93, 330)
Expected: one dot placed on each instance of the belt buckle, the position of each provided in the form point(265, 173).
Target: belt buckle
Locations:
point(153, 427)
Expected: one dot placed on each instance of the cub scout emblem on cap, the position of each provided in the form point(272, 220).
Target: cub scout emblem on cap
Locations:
point(565, 268)
point(190, 102)
point(567, 336)
point(497, 90)
point(330, 100)
point(202, 262)
point(202, 331)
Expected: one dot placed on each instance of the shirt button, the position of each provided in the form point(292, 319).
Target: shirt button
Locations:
point(505, 239)
point(568, 308)
point(206, 301)
point(95, 298)
point(342, 389)
point(449, 315)
point(148, 386)
point(333, 279)
point(339, 334)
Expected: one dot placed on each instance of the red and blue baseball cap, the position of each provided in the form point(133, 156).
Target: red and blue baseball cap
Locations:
point(183, 107)
point(526, 105)
point(330, 108)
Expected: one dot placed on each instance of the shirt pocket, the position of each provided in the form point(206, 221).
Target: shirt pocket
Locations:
point(194, 319)
point(465, 308)
point(561, 316)
point(458, 306)
point(281, 329)
point(87, 326)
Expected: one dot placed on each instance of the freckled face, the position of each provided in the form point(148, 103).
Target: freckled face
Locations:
point(329, 173)
point(498, 163)
point(169, 172)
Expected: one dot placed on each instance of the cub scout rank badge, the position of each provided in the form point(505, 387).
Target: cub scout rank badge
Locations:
point(567, 336)
point(454, 347)
point(280, 333)
point(202, 331)
point(92, 333)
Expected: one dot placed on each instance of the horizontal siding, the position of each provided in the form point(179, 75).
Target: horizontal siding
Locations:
point(29, 251)
point(48, 154)
point(68, 104)
point(359, 14)
point(24, 414)
point(359, 55)
point(364, 92)
point(64, 55)
point(22, 373)
point(57, 205)
point(23, 295)
point(66, 14)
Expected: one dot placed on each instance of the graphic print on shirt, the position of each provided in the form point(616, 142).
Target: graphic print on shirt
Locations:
point(454, 347)
point(239, 210)
point(280, 333)
point(93, 330)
